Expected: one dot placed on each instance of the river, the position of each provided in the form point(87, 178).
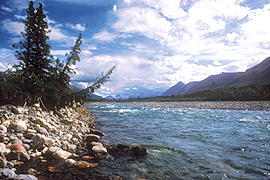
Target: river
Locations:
point(186, 143)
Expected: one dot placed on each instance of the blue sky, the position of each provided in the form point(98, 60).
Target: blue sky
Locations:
point(153, 43)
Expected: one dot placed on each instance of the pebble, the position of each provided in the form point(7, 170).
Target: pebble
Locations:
point(3, 129)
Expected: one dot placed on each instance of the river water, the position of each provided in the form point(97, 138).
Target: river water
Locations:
point(186, 143)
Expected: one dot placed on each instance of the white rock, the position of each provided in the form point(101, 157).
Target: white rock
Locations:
point(3, 129)
point(19, 126)
point(63, 155)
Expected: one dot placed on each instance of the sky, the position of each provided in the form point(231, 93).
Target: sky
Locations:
point(154, 44)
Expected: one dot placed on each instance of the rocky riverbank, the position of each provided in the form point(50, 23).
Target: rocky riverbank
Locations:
point(61, 144)
point(227, 105)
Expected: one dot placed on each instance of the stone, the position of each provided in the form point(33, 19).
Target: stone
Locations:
point(85, 130)
point(84, 164)
point(121, 149)
point(4, 139)
point(18, 155)
point(3, 149)
point(31, 131)
point(8, 173)
point(17, 141)
point(44, 123)
point(20, 135)
point(27, 141)
point(26, 177)
point(3, 162)
point(71, 147)
point(92, 137)
point(26, 146)
point(98, 150)
point(90, 145)
point(6, 123)
point(17, 110)
point(97, 132)
point(70, 162)
point(41, 130)
point(63, 155)
point(49, 151)
point(38, 141)
point(17, 146)
point(19, 126)
point(67, 136)
point(36, 105)
point(3, 129)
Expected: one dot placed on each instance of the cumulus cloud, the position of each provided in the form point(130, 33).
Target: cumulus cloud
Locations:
point(12, 27)
point(79, 27)
point(59, 52)
point(6, 8)
point(104, 36)
point(208, 37)
point(7, 59)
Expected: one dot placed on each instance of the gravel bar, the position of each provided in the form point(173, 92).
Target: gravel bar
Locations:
point(230, 105)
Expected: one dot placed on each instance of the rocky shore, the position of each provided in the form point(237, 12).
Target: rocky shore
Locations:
point(227, 105)
point(61, 144)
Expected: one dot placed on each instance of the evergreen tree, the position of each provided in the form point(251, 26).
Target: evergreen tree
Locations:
point(34, 53)
point(39, 75)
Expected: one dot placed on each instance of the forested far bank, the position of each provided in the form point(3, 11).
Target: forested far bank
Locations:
point(251, 93)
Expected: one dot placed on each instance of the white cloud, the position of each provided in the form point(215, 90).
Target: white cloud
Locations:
point(104, 36)
point(58, 36)
point(86, 53)
point(13, 27)
point(59, 52)
point(20, 17)
point(114, 8)
point(79, 27)
point(7, 59)
point(217, 63)
point(145, 21)
point(6, 8)
point(255, 32)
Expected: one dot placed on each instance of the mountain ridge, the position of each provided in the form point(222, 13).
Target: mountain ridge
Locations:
point(255, 76)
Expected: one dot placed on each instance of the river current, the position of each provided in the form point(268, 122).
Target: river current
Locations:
point(186, 143)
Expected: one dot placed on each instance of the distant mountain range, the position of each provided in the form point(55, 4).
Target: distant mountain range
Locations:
point(258, 75)
point(136, 91)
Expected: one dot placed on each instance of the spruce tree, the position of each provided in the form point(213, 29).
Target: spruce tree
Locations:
point(39, 75)
point(34, 53)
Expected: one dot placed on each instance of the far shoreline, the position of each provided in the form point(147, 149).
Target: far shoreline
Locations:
point(222, 105)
